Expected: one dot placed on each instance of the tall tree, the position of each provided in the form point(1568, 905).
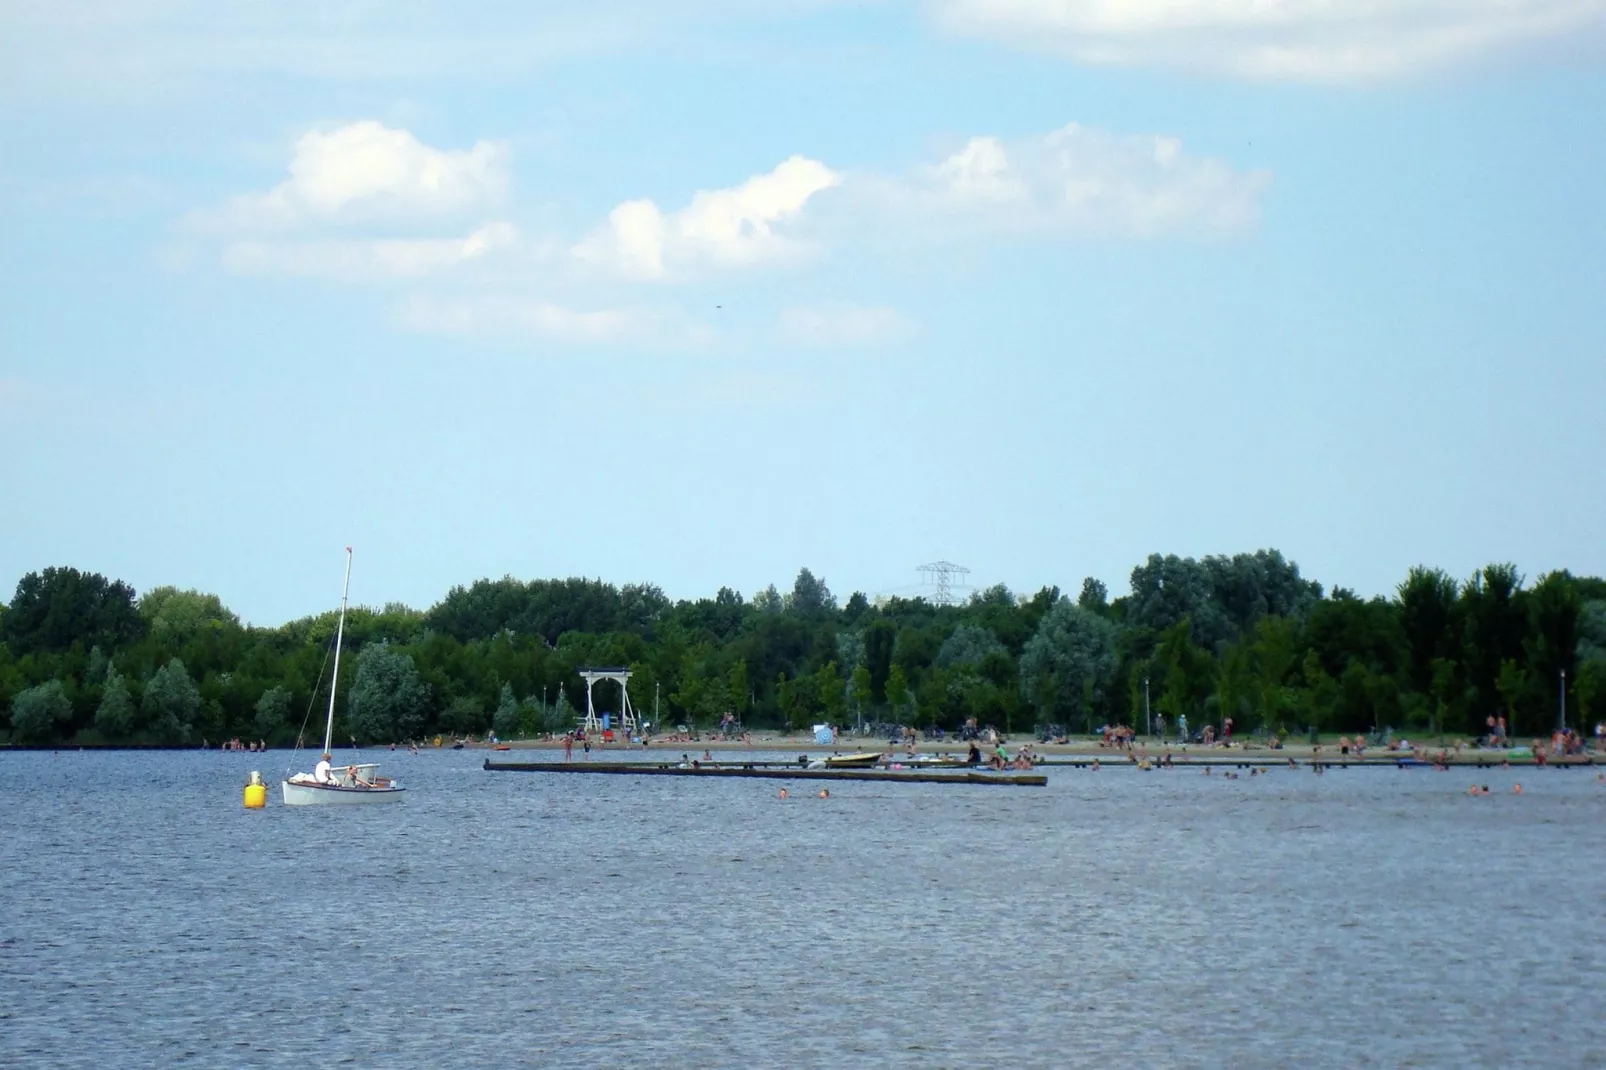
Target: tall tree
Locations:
point(506, 718)
point(810, 596)
point(1095, 597)
point(1496, 621)
point(114, 719)
point(55, 608)
point(1074, 648)
point(1551, 647)
point(272, 712)
point(879, 639)
point(1427, 601)
point(388, 701)
point(170, 703)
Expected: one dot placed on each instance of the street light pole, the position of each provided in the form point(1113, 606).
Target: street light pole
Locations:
point(1147, 716)
point(1563, 725)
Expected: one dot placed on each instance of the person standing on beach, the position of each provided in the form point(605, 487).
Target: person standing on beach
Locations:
point(568, 746)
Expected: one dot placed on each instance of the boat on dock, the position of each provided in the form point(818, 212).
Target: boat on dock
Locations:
point(862, 760)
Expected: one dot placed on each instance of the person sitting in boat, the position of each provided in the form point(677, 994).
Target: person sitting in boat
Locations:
point(974, 757)
point(320, 772)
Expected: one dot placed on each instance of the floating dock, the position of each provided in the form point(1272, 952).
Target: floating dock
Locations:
point(769, 771)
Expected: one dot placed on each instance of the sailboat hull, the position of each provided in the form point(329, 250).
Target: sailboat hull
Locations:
point(335, 795)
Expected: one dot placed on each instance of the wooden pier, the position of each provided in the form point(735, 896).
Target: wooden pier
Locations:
point(770, 771)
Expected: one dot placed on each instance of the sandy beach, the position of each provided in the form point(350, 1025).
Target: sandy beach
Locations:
point(1077, 748)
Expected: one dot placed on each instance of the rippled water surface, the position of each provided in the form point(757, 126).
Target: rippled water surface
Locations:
point(1363, 918)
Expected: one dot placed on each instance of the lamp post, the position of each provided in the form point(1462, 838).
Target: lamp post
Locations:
point(1147, 716)
point(1563, 711)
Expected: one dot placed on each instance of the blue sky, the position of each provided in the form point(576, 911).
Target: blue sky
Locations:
point(700, 293)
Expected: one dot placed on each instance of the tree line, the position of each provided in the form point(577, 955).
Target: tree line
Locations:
point(86, 660)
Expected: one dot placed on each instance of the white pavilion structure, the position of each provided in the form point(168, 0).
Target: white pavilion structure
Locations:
point(592, 722)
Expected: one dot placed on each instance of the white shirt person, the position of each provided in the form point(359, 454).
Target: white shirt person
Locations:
point(320, 772)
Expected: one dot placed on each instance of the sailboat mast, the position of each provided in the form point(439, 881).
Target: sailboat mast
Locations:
point(340, 631)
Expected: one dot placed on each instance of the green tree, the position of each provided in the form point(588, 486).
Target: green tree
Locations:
point(898, 696)
point(388, 701)
point(1095, 597)
point(272, 712)
point(859, 697)
point(810, 596)
point(968, 645)
point(1185, 674)
point(170, 703)
point(114, 719)
point(1511, 683)
point(465, 715)
point(1068, 665)
point(55, 608)
point(1555, 611)
point(506, 718)
point(879, 639)
point(737, 688)
point(1273, 653)
point(1589, 689)
point(1427, 601)
point(561, 718)
point(832, 693)
point(1496, 622)
point(174, 617)
point(36, 712)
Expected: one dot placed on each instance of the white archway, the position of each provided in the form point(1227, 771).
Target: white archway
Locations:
point(627, 714)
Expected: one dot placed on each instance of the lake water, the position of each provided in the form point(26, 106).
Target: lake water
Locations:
point(1366, 918)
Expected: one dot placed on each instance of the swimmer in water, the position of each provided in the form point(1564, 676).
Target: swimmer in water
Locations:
point(825, 793)
point(783, 794)
point(1516, 789)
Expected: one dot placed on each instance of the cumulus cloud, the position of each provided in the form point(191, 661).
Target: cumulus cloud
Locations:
point(734, 227)
point(1301, 40)
point(1075, 181)
point(842, 325)
point(367, 172)
point(360, 260)
point(525, 317)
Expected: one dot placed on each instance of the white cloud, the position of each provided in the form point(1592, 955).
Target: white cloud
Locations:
point(842, 325)
point(367, 172)
point(1076, 181)
point(732, 227)
point(358, 260)
point(1301, 40)
point(525, 317)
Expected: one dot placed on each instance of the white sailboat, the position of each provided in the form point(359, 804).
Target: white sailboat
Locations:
point(339, 785)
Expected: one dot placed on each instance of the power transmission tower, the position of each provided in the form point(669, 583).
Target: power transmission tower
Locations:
point(940, 574)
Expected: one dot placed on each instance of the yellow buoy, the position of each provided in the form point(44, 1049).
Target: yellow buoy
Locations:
point(256, 792)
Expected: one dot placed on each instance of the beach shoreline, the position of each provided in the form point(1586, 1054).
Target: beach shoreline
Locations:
point(798, 743)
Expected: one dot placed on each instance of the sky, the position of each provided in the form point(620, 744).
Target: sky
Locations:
point(700, 293)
